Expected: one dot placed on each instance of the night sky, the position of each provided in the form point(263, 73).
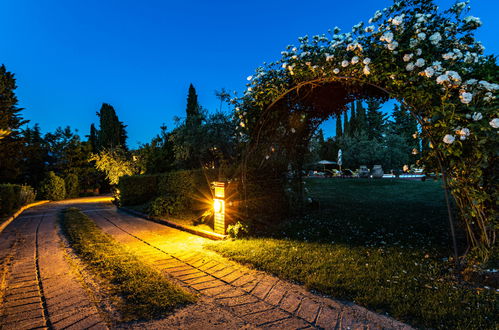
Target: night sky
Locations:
point(140, 56)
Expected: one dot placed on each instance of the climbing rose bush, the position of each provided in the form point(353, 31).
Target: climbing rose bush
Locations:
point(424, 57)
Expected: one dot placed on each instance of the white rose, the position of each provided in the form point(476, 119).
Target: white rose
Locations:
point(477, 116)
point(387, 36)
point(442, 78)
point(366, 70)
point(410, 67)
point(420, 62)
point(407, 57)
point(449, 139)
point(336, 71)
point(367, 61)
point(435, 38)
point(421, 36)
point(466, 97)
point(392, 45)
point(397, 20)
point(345, 63)
point(429, 72)
point(419, 52)
point(494, 123)
point(355, 60)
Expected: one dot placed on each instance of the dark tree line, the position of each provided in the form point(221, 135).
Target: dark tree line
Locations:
point(367, 136)
point(29, 157)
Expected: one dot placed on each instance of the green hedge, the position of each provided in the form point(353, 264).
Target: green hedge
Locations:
point(137, 189)
point(167, 193)
point(13, 196)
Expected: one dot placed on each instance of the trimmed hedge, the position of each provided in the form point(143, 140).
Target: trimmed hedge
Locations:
point(137, 189)
point(167, 193)
point(13, 196)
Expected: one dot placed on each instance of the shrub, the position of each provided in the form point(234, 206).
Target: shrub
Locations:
point(72, 186)
point(178, 185)
point(53, 187)
point(165, 205)
point(13, 196)
point(137, 189)
point(238, 230)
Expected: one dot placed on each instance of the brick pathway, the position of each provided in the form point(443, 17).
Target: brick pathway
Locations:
point(257, 298)
point(38, 288)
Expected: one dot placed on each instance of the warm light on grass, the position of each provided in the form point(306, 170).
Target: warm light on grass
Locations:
point(382, 244)
point(145, 292)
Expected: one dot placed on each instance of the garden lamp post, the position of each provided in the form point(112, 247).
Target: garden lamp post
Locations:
point(219, 207)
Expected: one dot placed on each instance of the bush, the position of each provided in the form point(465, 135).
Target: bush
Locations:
point(53, 187)
point(238, 230)
point(13, 196)
point(167, 205)
point(137, 189)
point(72, 186)
point(169, 193)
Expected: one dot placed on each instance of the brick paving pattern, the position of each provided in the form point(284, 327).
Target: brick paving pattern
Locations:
point(39, 288)
point(258, 298)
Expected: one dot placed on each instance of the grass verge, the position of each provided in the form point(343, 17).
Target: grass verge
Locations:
point(145, 293)
point(380, 244)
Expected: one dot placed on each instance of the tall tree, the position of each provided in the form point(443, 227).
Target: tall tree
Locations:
point(360, 119)
point(35, 156)
point(157, 156)
point(112, 132)
point(346, 126)
point(10, 122)
point(376, 120)
point(193, 110)
point(352, 123)
point(406, 126)
point(339, 131)
point(93, 138)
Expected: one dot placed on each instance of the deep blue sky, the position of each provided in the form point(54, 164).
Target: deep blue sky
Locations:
point(140, 56)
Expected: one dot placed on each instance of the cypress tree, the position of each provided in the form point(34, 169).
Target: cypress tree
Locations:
point(376, 120)
point(352, 125)
point(92, 138)
point(360, 119)
point(339, 132)
point(405, 126)
point(346, 125)
point(10, 122)
point(112, 132)
point(193, 110)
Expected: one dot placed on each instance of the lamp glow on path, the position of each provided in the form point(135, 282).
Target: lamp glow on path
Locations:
point(219, 207)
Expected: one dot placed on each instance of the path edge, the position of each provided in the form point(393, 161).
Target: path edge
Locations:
point(198, 232)
point(18, 213)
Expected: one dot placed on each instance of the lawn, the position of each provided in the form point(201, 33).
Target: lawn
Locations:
point(145, 292)
point(383, 244)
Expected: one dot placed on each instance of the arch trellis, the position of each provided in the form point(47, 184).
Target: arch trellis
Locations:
point(427, 59)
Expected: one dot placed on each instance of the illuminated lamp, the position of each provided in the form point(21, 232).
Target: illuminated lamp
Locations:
point(219, 207)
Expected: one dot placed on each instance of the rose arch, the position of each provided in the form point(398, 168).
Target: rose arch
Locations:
point(427, 59)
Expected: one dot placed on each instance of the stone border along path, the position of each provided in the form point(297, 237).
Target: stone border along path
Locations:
point(38, 289)
point(257, 298)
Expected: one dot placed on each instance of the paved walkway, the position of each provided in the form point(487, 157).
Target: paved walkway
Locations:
point(38, 288)
point(232, 296)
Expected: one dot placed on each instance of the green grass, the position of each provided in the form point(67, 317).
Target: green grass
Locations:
point(145, 293)
point(383, 244)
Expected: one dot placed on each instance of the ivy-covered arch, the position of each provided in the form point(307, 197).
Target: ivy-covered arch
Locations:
point(427, 59)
